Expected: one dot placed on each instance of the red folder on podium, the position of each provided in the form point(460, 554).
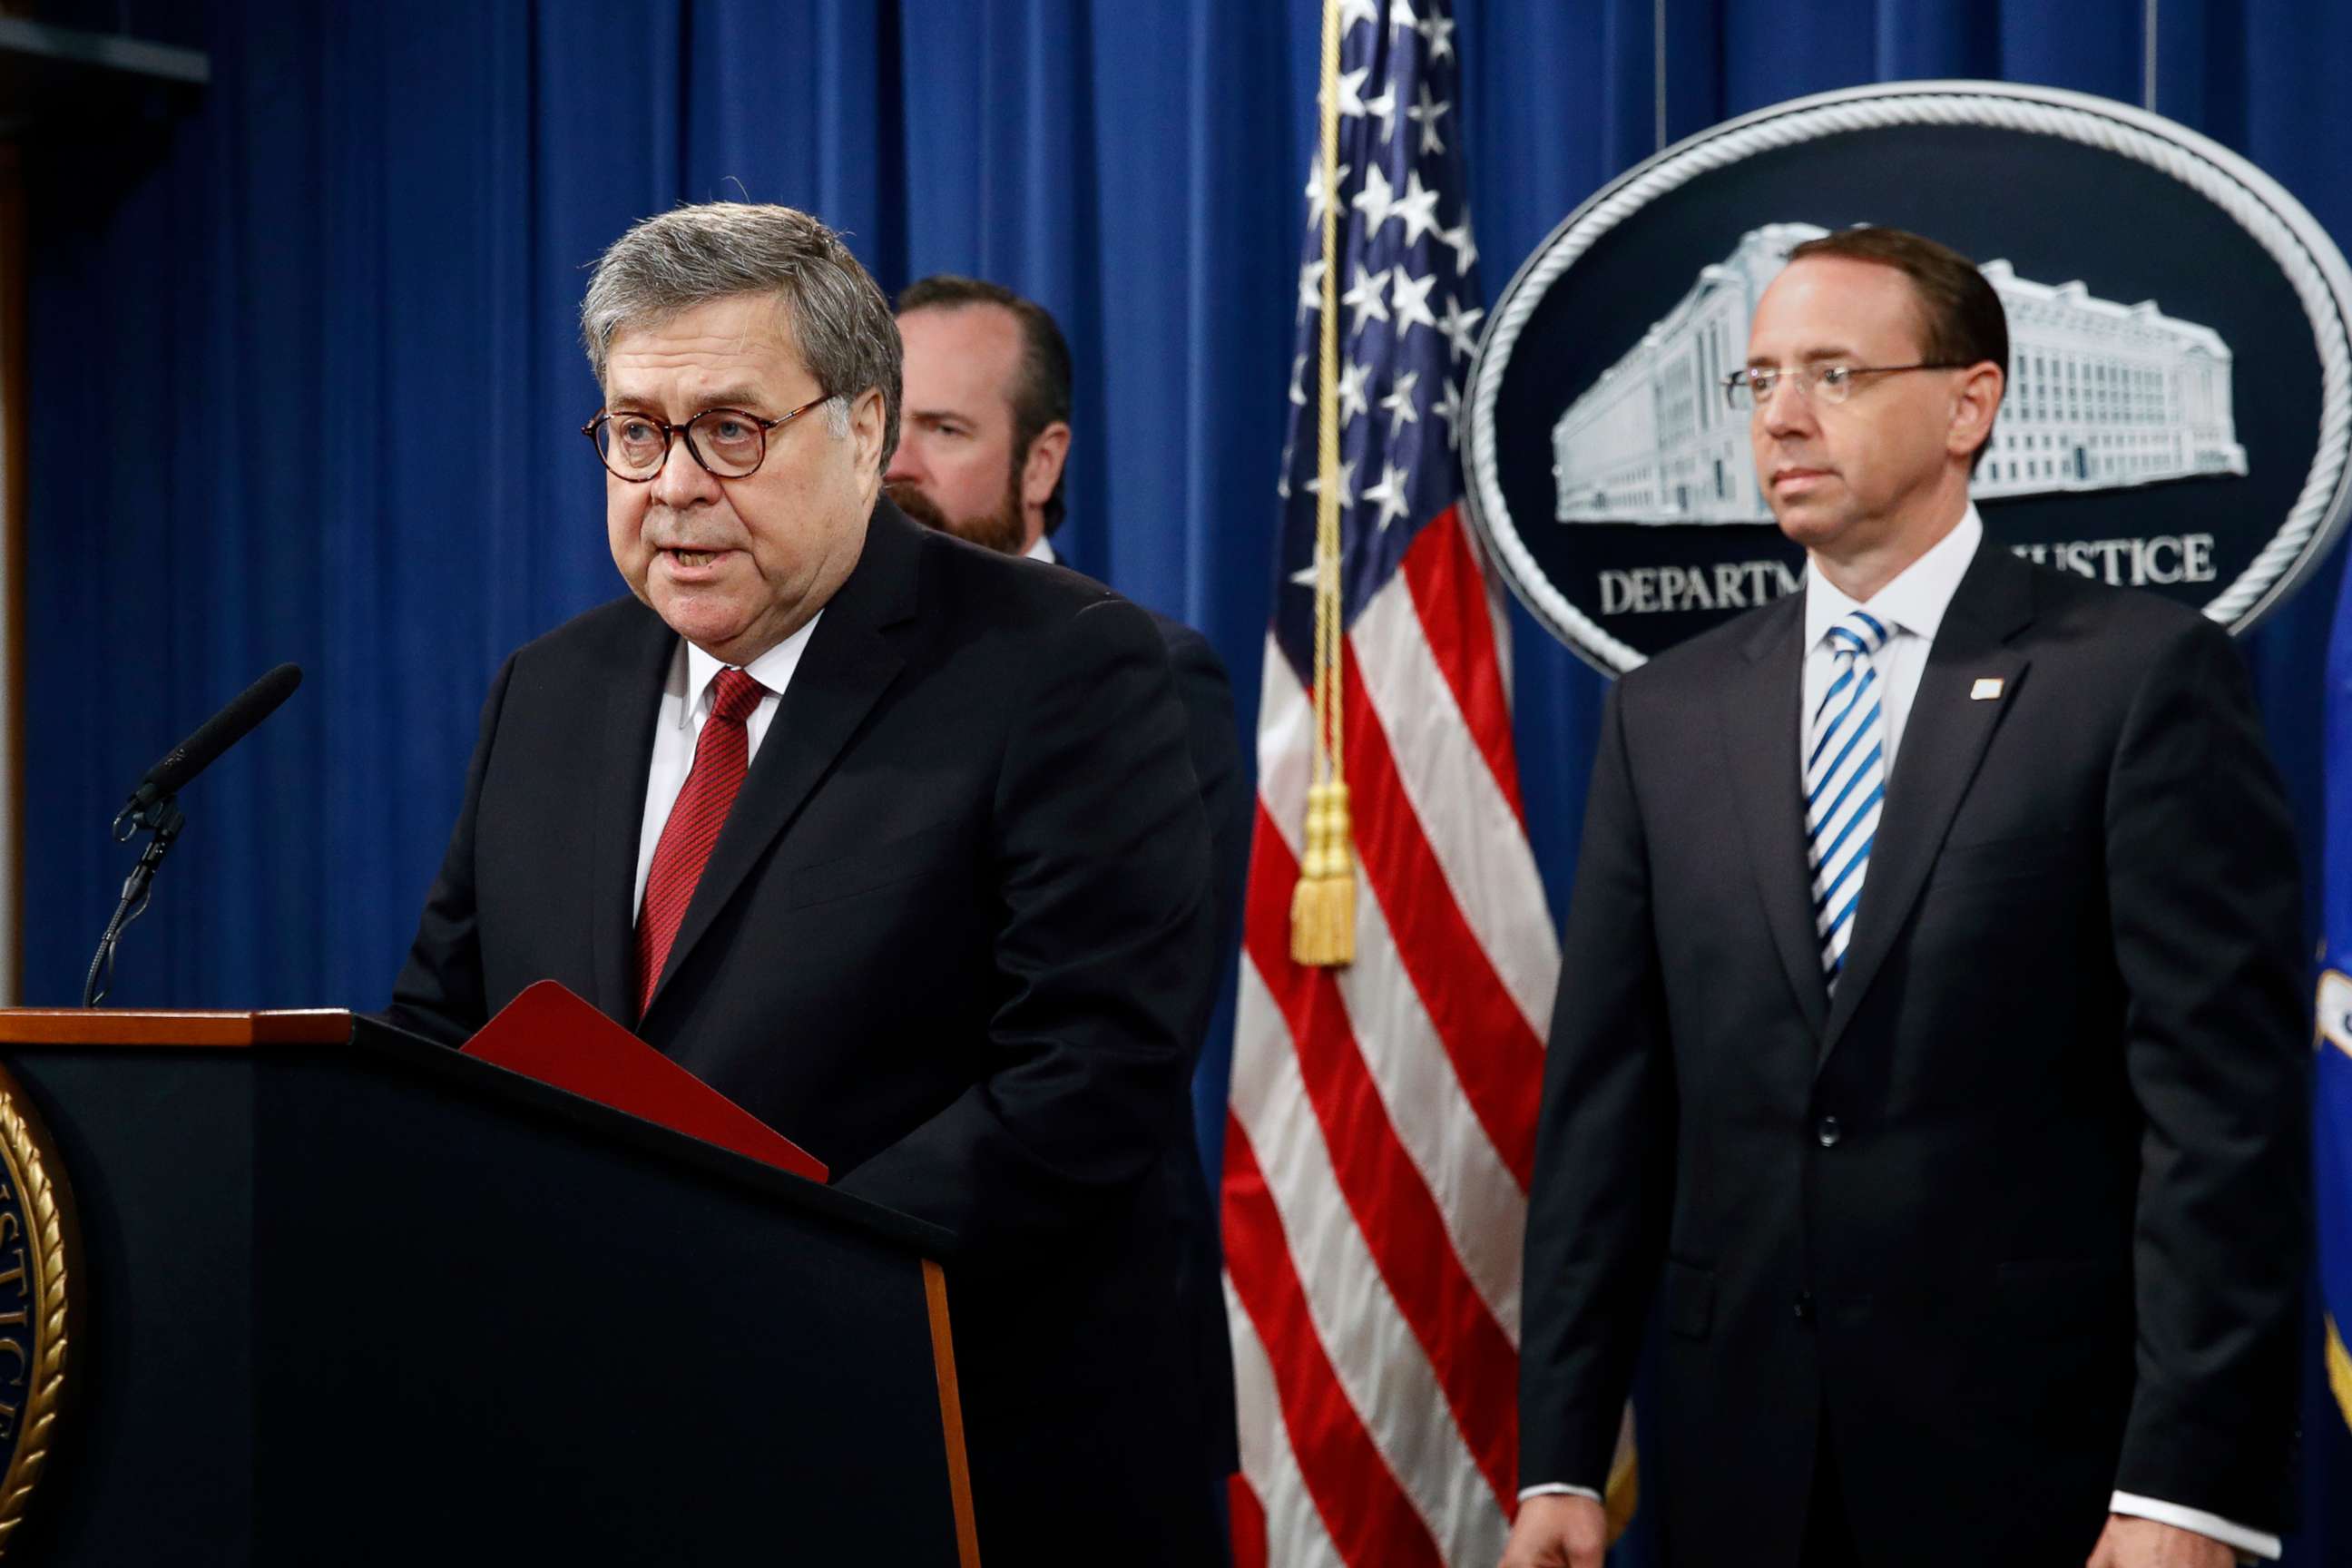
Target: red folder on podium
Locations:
point(550, 1034)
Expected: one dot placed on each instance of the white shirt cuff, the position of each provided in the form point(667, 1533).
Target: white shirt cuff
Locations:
point(2252, 1543)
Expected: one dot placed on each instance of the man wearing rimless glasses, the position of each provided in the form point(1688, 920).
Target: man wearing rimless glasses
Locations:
point(892, 840)
point(1930, 1048)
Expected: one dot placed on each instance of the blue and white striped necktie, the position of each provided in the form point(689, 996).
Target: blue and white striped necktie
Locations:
point(1845, 782)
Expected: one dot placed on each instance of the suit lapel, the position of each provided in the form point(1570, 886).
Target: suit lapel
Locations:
point(849, 663)
point(1759, 706)
point(632, 704)
point(1943, 741)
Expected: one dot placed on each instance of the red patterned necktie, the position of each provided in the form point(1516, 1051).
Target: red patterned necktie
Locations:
point(721, 757)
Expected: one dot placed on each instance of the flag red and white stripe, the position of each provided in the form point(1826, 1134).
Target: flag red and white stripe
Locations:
point(1380, 1127)
point(1382, 1121)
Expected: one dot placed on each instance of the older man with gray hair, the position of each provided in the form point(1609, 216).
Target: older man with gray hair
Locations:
point(891, 840)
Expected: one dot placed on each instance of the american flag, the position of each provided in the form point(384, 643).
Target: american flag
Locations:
point(1380, 1128)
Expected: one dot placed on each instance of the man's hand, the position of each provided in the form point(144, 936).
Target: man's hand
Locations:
point(1563, 1531)
point(2128, 1542)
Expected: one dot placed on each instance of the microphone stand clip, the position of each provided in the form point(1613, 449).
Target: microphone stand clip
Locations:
point(161, 818)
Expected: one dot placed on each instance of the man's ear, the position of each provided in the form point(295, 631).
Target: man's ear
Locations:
point(1042, 469)
point(1972, 412)
point(866, 416)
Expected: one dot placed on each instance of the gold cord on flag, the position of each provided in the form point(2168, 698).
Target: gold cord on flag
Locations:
point(1323, 904)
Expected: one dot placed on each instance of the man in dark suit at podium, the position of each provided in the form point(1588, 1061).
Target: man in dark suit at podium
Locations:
point(982, 442)
point(1931, 1045)
point(891, 840)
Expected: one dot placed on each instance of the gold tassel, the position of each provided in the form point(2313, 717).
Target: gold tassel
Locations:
point(1323, 904)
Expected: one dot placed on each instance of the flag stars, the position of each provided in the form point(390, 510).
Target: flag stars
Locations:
point(1364, 300)
point(1417, 208)
point(1389, 496)
point(1399, 405)
point(1411, 298)
point(1389, 388)
point(1448, 407)
point(1376, 201)
point(1310, 289)
point(1437, 33)
point(1347, 485)
point(1460, 327)
point(1425, 113)
point(1318, 194)
point(1351, 92)
point(1466, 253)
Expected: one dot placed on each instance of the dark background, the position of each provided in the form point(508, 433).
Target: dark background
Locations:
point(305, 385)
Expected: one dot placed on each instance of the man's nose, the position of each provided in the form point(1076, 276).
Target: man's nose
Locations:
point(906, 463)
point(1786, 409)
point(681, 481)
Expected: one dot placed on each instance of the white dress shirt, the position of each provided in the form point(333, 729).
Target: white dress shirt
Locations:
point(1912, 608)
point(1043, 551)
point(677, 728)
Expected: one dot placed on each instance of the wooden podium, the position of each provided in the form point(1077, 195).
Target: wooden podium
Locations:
point(349, 1298)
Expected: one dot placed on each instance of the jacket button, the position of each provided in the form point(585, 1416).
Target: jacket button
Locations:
point(1803, 1306)
point(1829, 1132)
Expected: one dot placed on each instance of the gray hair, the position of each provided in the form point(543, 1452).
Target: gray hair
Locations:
point(691, 255)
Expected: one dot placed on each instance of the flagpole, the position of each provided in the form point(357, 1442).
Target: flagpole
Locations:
point(1323, 904)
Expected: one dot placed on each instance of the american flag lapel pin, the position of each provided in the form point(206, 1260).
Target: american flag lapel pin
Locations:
point(1986, 689)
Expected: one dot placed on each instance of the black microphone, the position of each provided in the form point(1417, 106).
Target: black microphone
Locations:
point(217, 734)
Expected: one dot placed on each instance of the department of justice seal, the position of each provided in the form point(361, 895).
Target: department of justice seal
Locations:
point(38, 1259)
point(2177, 415)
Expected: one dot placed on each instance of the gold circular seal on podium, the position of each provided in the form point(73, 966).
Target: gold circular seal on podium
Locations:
point(38, 1258)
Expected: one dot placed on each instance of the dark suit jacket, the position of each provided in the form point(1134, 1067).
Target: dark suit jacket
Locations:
point(955, 938)
point(1214, 740)
point(1212, 735)
point(2020, 1215)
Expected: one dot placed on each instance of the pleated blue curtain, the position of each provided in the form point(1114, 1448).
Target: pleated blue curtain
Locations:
point(306, 383)
point(336, 303)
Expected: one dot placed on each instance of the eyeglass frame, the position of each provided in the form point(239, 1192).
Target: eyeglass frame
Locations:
point(670, 433)
point(1808, 376)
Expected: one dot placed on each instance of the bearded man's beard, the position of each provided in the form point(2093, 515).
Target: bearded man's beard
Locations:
point(1004, 530)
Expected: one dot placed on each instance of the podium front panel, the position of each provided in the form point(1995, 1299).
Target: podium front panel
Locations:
point(383, 1304)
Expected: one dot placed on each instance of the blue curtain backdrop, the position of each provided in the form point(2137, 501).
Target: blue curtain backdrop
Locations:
point(305, 383)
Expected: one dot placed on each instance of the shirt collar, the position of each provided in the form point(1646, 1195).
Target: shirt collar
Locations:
point(1915, 601)
point(1043, 551)
point(772, 670)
